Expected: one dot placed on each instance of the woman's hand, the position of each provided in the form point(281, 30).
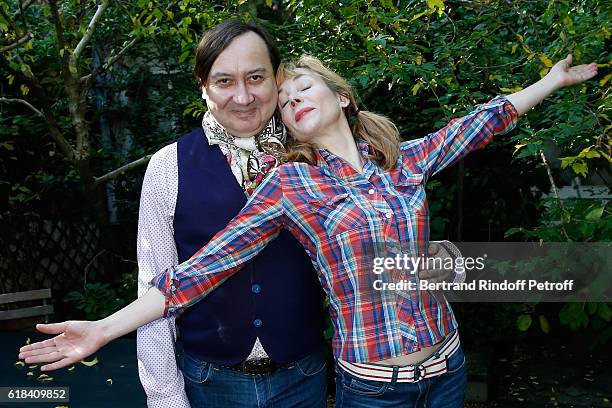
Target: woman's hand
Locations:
point(560, 75)
point(75, 341)
point(563, 74)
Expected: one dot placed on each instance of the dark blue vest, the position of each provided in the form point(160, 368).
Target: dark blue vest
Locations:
point(276, 296)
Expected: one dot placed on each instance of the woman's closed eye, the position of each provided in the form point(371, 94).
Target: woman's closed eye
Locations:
point(305, 88)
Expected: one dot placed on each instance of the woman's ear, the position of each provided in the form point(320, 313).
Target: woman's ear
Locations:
point(344, 101)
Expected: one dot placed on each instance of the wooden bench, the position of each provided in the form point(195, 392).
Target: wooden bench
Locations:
point(24, 316)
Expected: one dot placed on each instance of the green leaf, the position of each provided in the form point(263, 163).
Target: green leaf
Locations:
point(588, 153)
point(545, 60)
point(604, 312)
point(544, 325)
point(580, 167)
point(595, 214)
point(523, 322)
point(418, 15)
point(436, 5)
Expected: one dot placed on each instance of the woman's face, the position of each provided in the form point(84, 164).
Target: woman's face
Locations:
point(309, 109)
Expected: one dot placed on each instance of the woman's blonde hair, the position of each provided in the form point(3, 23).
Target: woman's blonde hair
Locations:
point(377, 130)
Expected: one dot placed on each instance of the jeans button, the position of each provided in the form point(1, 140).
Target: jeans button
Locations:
point(257, 323)
point(255, 288)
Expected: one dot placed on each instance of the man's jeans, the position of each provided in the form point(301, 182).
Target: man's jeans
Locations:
point(302, 384)
point(446, 390)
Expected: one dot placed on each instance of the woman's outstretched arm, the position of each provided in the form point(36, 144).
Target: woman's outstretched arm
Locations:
point(560, 75)
point(78, 339)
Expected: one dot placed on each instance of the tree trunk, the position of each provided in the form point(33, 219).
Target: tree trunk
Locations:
point(94, 195)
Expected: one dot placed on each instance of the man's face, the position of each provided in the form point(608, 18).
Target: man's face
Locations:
point(240, 90)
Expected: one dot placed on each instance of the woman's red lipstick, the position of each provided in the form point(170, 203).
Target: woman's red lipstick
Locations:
point(300, 114)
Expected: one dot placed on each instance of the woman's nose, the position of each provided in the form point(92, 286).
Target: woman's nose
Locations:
point(295, 100)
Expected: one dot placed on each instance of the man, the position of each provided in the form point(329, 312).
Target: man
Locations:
point(258, 339)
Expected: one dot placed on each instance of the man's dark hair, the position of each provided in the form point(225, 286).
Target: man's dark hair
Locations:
point(219, 37)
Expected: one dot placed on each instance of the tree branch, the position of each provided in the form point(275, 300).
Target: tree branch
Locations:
point(11, 22)
point(17, 43)
point(23, 102)
point(59, 32)
point(39, 94)
point(110, 61)
point(89, 32)
point(556, 192)
point(23, 7)
point(125, 168)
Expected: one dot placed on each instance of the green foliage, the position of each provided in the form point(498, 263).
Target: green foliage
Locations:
point(419, 62)
point(99, 300)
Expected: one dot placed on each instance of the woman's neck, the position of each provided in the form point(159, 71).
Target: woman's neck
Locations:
point(342, 143)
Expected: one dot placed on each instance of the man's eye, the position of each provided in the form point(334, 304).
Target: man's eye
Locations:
point(283, 104)
point(305, 88)
point(223, 81)
point(256, 77)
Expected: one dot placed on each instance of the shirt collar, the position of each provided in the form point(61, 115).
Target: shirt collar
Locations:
point(337, 167)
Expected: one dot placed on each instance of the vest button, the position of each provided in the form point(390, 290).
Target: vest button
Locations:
point(257, 323)
point(255, 288)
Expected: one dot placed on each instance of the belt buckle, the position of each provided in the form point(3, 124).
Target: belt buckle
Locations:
point(259, 367)
point(419, 372)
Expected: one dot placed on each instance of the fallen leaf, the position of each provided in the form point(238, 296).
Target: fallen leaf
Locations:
point(109, 381)
point(90, 363)
point(45, 377)
point(71, 368)
point(20, 364)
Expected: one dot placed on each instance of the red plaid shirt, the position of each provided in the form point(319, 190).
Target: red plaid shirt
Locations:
point(344, 220)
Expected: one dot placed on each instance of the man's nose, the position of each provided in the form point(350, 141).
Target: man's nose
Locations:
point(243, 96)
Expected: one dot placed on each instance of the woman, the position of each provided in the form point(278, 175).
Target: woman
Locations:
point(351, 196)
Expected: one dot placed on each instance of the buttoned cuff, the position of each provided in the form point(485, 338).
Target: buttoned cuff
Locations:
point(166, 283)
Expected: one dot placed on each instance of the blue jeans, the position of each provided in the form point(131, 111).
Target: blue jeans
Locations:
point(443, 391)
point(301, 384)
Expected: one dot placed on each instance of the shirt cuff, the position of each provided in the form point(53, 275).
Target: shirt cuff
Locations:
point(505, 111)
point(167, 284)
point(178, 400)
point(450, 250)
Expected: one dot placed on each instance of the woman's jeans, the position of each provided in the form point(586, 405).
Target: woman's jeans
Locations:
point(443, 391)
point(301, 384)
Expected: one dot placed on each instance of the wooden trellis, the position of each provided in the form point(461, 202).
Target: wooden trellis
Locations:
point(54, 254)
